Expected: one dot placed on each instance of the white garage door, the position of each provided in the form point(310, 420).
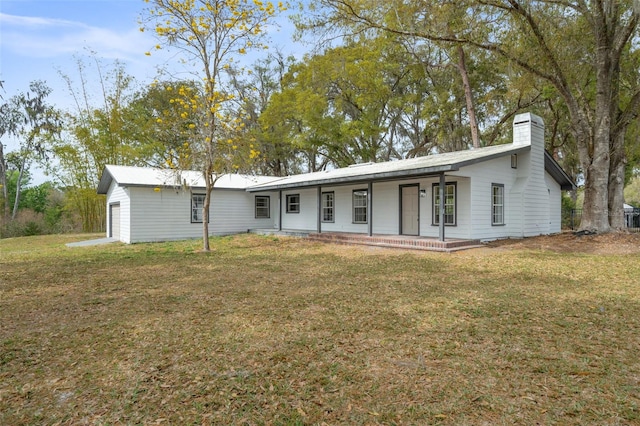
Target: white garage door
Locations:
point(114, 213)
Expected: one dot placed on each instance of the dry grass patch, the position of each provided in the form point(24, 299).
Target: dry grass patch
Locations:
point(283, 331)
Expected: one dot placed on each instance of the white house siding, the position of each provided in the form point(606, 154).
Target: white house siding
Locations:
point(162, 215)
point(165, 214)
point(343, 210)
point(233, 211)
point(463, 213)
point(536, 194)
point(482, 176)
point(119, 195)
point(307, 219)
point(386, 207)
point(555, 204)
point(272, 221)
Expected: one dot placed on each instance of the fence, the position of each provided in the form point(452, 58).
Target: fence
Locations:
point(571, 218)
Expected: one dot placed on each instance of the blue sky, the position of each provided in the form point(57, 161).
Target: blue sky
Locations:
point(39, 39)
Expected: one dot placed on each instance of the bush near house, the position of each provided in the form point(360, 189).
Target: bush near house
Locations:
point(268, 330)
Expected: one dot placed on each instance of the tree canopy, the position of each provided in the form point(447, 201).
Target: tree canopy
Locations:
point(580, 50)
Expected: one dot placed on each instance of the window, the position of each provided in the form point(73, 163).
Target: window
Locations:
point(449, 204)
point(293, 203)
point(263, 207)
point(197, 206)
point(360, 206)
point(328, 203)
point(497, 204)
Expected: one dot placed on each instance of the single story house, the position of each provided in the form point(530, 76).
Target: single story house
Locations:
point(503, 191)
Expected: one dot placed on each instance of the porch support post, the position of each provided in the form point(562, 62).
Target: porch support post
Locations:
point(441, 209)
point(319, 224)
point(280, 210)
point(370, 208)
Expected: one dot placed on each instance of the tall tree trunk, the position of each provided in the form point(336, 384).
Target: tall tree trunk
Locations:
point(18, 189)
point(618, 163)
point(595, 215)
point(594, 161)
point(3, 183)
point(209, 182)
point(468, 96)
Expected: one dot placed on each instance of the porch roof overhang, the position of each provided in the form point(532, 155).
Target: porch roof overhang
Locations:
point(432, 165)
point(362, 178)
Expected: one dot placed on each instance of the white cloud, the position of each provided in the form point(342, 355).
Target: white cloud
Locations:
point(33, 21)
point(37, 37)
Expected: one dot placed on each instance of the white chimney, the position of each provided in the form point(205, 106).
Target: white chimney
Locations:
point(528, 129)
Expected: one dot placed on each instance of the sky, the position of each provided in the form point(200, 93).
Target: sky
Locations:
point(43, 39)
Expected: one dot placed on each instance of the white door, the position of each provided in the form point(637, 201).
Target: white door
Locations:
point(114, 217)
point(409, 209)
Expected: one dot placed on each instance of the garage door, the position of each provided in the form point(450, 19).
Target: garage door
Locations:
point(114, 217)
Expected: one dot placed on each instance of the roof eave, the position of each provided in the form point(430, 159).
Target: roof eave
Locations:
point(105, 182)
point(346, 180)
point(553, 168)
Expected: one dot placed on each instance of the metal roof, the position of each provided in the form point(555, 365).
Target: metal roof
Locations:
point(357, 173)
point(390, 170)
point(154, 177)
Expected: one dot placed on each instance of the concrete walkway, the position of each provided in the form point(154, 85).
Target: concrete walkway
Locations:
point(87, 243)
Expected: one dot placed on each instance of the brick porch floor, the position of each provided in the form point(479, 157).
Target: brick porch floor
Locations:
point(396, 241)
point(391, 241)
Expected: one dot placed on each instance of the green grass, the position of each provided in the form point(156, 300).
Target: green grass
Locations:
point(288, 332)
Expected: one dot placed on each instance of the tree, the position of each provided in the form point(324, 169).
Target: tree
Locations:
point(349, 104)
point(577, 47)
point(98, 132)
point(212, 33)
point(34, 123)
point(165, 129)
point(254, 89)
point(9, 121)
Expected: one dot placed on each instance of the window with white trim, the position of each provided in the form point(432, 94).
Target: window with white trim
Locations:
point(197, 208)
point(449, 204)
point(360, 206)
point(263, 207)
point(328, 204)
point(497, 204)
point(293, 203)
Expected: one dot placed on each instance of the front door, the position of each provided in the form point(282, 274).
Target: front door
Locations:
point(409, 210)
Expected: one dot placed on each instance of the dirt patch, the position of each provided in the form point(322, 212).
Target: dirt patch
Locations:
point(569, 242)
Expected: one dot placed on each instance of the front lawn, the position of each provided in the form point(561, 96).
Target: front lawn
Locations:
point(283, 331)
